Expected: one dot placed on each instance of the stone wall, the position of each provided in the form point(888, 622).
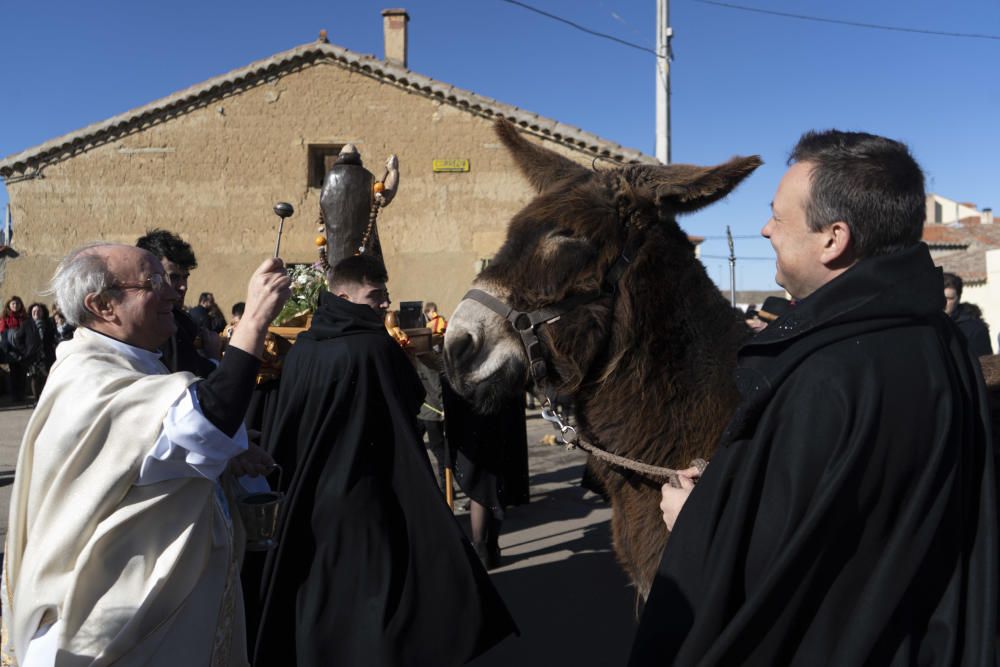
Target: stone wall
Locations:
point(213, 173)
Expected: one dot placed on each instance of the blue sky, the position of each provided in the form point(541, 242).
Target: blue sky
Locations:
point(743, 83)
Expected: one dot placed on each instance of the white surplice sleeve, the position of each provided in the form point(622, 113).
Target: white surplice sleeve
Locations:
point(189, 445)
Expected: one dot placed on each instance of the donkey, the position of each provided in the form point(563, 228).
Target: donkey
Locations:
point(648, 344)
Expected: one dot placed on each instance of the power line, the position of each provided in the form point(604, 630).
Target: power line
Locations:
point(757, 10)
point(752, 259)
point(582, 28)
point(723, 236)
point(854, 24)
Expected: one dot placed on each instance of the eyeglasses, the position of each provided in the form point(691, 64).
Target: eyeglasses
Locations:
point(154, 283)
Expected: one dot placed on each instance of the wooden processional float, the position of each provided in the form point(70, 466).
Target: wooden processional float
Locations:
point(350, 202)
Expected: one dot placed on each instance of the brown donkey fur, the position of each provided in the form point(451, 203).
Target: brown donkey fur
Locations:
point(649, 367)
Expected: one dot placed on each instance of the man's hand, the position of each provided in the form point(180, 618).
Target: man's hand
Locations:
point(267, 292)
point(254, 462)
point(674, 498)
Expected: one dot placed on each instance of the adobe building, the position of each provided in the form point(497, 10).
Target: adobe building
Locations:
point(210, 162)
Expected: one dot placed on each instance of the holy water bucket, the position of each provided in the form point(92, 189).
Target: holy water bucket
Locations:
point(260, 512)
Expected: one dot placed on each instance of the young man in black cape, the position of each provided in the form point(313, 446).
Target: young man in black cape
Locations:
point(371, 567)
point(968, 321)
point(849, 516)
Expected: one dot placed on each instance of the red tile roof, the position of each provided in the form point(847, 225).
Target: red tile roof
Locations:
point(944, 235)
point(970, 240)
point(969, 265)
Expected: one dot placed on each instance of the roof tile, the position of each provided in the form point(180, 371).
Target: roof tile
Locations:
point(308, 54)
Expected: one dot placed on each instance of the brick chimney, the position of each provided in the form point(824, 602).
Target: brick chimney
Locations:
point(986, 216)
point(394, 28)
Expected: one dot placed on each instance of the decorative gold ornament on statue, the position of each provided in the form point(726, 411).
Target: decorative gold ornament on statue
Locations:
point(383, 192)
point(392, 326)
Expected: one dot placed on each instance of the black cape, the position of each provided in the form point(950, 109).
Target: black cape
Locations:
point(491, 462)
point(977, 335)
point(180, 353)
point(371, 568)
point(849, 516)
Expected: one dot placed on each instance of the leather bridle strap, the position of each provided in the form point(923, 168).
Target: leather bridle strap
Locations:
point(526, 323)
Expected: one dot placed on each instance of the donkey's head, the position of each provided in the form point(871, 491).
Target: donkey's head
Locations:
point(563, 245)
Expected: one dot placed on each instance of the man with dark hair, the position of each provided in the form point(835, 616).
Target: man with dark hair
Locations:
point(849, 515)
point(361, 279)
point(969, 322)
point(237, 315)
point(371, 566)
point(181, 351)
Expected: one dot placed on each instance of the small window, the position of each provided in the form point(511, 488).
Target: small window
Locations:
point(321, 159)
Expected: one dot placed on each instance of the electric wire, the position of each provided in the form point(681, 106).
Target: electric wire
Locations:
point(739, 258)
point(582, 28)
point(757, 10)
point(853, 24)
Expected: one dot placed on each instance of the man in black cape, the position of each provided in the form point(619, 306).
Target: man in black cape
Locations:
point(371, 566)
point(849, 516)
point(968, 321)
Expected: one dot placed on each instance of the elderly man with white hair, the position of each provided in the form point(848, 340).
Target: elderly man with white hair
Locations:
point(120, 542)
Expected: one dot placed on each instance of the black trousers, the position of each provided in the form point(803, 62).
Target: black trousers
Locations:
point(438, 445)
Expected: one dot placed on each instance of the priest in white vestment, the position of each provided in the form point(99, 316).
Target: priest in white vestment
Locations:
point(120, 544)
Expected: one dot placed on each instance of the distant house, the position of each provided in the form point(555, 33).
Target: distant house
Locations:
point(966, 241)
point(941, 210)
point(210, 161)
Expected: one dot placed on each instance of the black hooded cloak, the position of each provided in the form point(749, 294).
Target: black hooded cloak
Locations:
point(371, 567)
point(491, 461)
point(849, 516)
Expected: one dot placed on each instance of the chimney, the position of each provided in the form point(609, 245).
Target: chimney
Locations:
point(394, 26)
point(986, 217)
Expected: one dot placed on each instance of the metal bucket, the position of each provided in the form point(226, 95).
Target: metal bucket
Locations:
point(260, 512)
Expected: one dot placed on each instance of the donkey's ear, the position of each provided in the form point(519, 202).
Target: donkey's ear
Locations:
point(541, 166)
point(682, 188)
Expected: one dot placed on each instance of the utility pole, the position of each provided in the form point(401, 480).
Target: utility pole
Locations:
point(663, 35)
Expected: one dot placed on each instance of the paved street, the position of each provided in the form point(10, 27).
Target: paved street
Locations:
point(559, 579)
point(12, 423)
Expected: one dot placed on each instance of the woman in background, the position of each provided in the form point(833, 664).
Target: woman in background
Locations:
point(20, 341)
point(45, 355)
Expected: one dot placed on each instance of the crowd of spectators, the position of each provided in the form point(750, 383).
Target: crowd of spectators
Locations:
point(28, 339)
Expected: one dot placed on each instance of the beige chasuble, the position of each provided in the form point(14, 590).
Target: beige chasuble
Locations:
point(136, 575)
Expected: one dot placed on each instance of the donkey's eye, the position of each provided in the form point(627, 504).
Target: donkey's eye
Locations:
point(562, 233)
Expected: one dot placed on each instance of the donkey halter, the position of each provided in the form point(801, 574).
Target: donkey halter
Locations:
point(526, 324)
